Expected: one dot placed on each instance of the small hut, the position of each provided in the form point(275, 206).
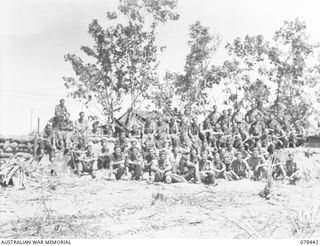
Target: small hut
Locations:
point(313, 140)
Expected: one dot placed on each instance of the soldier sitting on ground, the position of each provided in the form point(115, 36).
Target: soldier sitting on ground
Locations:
point(189, 167)
point(86, 162)
point(292, 172)
point(255, 162)
point(206, 170)
point(240, 168)
point(134, 164)
point(161, 170)
point(219, 167)
point(104, 156)
point(117, 163)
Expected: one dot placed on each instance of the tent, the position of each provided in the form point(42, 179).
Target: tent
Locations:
point(137, 118)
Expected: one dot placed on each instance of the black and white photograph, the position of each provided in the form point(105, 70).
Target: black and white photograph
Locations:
point(159, 119)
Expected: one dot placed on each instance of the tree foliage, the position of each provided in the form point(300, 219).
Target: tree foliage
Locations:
point(198, 73)
point(124, 55)
point(276, 74)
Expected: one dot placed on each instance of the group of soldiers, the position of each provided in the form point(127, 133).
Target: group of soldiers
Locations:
point(225, 145)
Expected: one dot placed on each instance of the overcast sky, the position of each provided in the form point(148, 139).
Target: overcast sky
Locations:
point(36, 34)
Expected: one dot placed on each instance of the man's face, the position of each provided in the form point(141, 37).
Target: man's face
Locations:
point(49, 128)
point(67, 116)
point(214, 108)
point(217, 157)
point(89, 149)
point(117, 151)
point(291, 157)
point(151, 151)
point(204, 156)
point(104, 145)
point(134, 152)
point(133, 143)
point(81, 141)
point(239, 157)
point(81, 115)
point(162, 157)
point(255, 153)
point(62, 102)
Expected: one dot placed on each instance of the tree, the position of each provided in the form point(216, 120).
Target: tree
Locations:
point(276, 74)
point(198, 74)
point(291, 71)
point(244, 74)
point(123, 58)
point(163, 94)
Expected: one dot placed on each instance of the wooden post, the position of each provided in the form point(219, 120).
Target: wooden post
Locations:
point(38, 128)
point(35, 144)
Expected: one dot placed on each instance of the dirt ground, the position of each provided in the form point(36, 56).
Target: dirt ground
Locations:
point(73, 207)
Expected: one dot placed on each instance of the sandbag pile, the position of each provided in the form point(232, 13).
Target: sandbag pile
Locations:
point(11, 146)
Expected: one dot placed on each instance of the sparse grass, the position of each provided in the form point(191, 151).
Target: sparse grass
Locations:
point(306, 222)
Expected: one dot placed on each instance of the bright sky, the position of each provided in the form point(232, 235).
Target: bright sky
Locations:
point(36, 34)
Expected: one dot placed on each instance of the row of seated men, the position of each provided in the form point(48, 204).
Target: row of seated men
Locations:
point(177, 165)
